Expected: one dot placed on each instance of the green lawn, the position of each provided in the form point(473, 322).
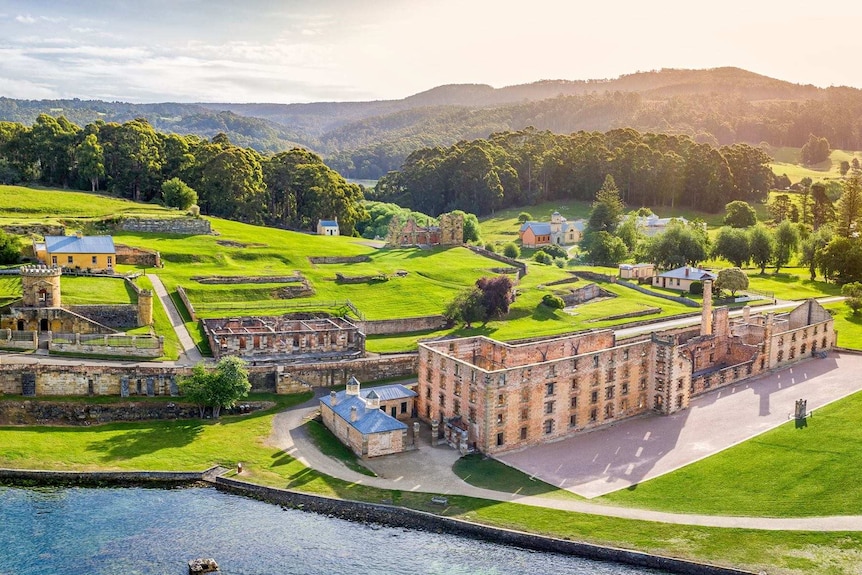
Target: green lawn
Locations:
point(37, 205)
point(792, 284)
point(786, 472)
point(161, 324)
point(487, 473)
point(848, 325)
point(82, 290)
point(329, 445)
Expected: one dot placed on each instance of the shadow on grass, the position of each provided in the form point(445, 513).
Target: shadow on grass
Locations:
point(144, 441)
point(487, 473)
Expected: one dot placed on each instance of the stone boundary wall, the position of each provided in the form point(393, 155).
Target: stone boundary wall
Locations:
point(100, 478)
point(117, 316)
point(132, 256)
point(639, 313)
point(37, 229)
point(403, 325)
point(520, 266)
point(338, 259)
point(118, 345)
point(185, 226)
point(28, 412)
point(569, 280)
point(296, 278)
point(74, 379)
point(614, 279)
point(420, 520)
point(186, 302)
point(584, 294)
point(19, 339)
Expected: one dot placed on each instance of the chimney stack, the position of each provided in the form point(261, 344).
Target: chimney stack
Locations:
point(354, 413)
point(706, 314)
point(333, 398)
point(686, 271)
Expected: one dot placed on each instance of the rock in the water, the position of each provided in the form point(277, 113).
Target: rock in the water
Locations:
point(199, 565)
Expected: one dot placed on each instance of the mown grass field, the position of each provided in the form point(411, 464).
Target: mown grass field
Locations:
point(37, 205)
point(788, 161)
point(786, 472)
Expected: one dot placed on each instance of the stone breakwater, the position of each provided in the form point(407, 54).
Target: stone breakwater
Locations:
point(102, 478)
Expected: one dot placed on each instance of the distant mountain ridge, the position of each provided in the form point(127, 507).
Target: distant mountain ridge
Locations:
point(367, 139)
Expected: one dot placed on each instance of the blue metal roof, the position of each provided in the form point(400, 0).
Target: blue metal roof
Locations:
point(82, 245)
point(329, 223)
point(369, 420)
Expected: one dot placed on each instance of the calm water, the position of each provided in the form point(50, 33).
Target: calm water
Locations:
point(150, 531)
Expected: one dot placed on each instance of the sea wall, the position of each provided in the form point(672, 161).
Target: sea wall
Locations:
point(419, 520)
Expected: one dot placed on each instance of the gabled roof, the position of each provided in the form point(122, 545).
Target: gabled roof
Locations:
point(693, 274)
point(328, 223)
point(388, 392)
point(79, 245)
point(369, 419)
point(539, 228)
point(578, 225)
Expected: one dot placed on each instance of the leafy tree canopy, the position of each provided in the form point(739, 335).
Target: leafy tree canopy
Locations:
point(732, 280)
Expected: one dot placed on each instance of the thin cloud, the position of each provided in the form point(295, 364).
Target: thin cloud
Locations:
point(25, 19)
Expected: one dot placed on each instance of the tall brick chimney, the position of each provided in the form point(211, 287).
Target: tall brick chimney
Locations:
point(706, 313)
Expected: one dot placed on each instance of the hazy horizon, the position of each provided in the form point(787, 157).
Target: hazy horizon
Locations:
point(335, 50)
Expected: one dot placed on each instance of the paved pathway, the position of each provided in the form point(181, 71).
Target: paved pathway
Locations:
point(190, 354)
point(613, 458)
point(429, 469)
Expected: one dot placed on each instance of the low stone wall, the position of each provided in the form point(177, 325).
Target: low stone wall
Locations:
point(419, 520)
point(132, 256)
point(186, 302)
point(404, 325)
point(99, 478)
point(144, 346)
point(338, 259)
point(19, 339)
point(113, 316)
point(639, 313)
point(376, 278)
point(248, 279)
point(45, 380)
point(585, 294)
point(186, 226)
point(568, 280)
point(520, 266)
point(34, 229)
point(29, 412)
point(614, 279)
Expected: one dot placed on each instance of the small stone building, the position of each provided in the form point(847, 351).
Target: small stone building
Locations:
point(368, 421)
point(499, 396)
point(283, 338)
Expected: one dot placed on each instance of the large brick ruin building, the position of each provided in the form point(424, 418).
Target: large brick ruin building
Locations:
point(283, 338)
point(492, 396)
point(450, 232)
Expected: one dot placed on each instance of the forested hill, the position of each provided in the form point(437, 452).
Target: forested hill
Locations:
point(174, 118)
point(720, 106)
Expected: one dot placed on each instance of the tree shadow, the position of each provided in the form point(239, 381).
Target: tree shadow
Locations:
point(135, 442)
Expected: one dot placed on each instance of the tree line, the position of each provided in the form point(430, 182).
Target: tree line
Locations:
point(529, 166)
point(132, 160)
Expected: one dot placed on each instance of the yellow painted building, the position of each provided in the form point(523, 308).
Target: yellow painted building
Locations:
point(94, 253)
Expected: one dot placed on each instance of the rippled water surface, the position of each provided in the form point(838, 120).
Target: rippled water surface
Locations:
point(60, 531)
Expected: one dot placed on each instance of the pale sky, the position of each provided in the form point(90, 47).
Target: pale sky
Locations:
point(338, 50)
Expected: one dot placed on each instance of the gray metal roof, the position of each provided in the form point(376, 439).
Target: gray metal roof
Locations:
point(388, 392)
point(329, 223)
point(539, 228)
point(693, 274)
point(82, 245)
point(369, 420)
